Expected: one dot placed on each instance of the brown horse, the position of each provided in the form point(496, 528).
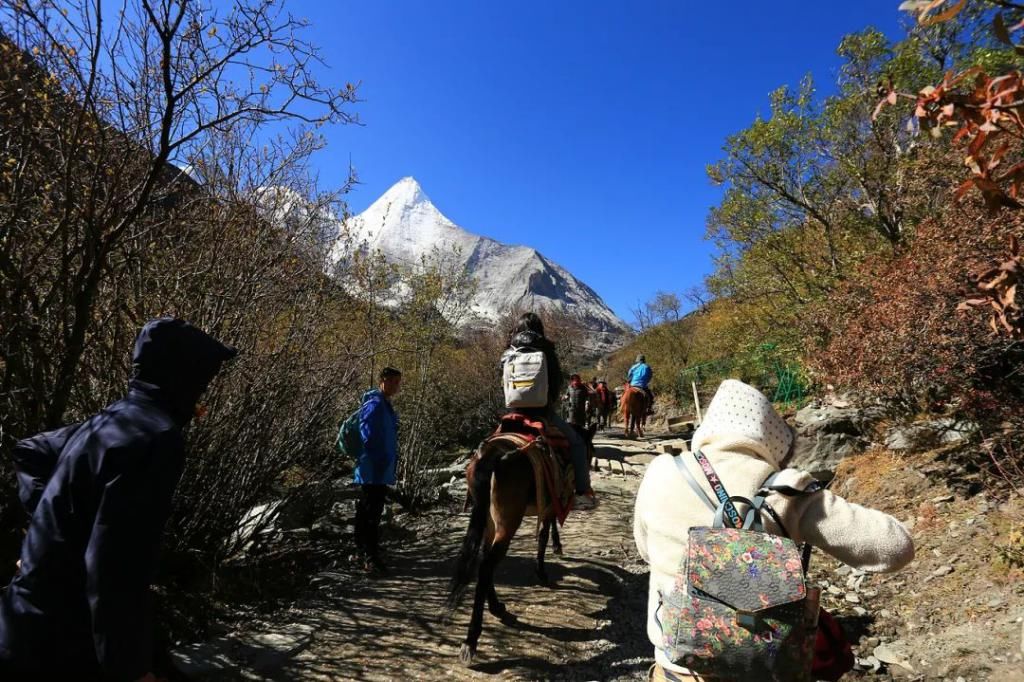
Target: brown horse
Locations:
point(503, 489)
point(634, 411)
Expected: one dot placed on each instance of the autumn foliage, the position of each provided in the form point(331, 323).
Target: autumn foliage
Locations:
point(900, 330)
point(999, 288)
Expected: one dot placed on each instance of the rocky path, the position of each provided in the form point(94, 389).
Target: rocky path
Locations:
point(588, 626)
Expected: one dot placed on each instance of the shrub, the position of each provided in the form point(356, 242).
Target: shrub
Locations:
point(897, 331)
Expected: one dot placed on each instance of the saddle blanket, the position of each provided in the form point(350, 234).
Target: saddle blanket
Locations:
point(552, 465)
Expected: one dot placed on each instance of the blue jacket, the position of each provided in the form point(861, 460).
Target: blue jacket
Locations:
point(378, 427)
point(639, 375)
point(79, 607)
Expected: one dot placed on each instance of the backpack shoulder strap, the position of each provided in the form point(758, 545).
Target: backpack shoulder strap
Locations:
point(688, 477)
point(724, 500)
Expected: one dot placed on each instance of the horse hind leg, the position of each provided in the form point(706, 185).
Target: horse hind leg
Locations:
point(494, 605)
point(508, 505)
point(480, 593)
point(484, 592)
point(556, 539)
point(542, 546)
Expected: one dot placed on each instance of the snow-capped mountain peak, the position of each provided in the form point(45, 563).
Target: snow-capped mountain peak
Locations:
point(405, 225)
point(407, 192)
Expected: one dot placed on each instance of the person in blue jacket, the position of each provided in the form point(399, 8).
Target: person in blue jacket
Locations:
point(376, 465)
point(99, 495)
point(639, 375)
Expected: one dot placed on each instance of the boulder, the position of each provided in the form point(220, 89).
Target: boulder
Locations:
point(335, 522)
point(854, 421)
point(821, 453)
point(300, 509)
point(930, 434)
point(259, 520)
point(826, 434)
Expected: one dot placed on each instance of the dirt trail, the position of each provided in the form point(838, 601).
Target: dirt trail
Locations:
point(589, 625)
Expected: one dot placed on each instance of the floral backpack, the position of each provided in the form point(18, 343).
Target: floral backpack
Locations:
point(740, 608)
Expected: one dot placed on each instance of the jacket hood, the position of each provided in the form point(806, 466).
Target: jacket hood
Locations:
point(179, 359)
point(741, 418)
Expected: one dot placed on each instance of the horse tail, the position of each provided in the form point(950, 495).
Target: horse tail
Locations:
point(469, 555)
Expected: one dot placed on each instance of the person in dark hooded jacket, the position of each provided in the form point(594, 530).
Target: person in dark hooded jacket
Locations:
point(79, 607)
point(577, 402)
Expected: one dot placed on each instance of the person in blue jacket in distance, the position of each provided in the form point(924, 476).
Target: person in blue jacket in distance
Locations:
point(639, 376)
point(377, 463)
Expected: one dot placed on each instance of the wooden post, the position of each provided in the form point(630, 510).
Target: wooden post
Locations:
point(696, 402)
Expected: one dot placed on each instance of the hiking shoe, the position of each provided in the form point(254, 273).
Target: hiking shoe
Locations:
point(375, 566)
point(584, 501)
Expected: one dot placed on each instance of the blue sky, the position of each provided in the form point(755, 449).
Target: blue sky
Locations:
point(579, 128)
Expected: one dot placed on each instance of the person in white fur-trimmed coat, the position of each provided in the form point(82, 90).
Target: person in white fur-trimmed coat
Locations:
point(746, 441)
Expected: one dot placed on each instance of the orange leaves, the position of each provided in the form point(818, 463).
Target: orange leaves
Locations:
point(931, 12)
point(998, 287)
point(987, 113)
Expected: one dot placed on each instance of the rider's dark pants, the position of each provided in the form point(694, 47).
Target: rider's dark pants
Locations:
point(577, 450)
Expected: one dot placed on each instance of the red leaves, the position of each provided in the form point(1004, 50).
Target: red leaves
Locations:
point(990, 111)
point(998, 287)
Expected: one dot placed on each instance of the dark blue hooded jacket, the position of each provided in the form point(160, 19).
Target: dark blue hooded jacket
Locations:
point(378, 428)
point(35, 459)
point(80, 603)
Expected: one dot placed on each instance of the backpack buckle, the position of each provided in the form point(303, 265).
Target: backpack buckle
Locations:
point(746, 620)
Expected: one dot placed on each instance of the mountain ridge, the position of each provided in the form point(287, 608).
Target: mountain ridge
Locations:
point(404, 224)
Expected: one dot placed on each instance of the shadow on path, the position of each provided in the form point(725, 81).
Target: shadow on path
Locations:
point(589, 624)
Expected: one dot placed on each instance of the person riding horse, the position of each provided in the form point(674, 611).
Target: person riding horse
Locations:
point(639, 376)
point(529, 333)
point(512, 474)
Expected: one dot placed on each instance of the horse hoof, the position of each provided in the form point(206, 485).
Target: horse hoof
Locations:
point(557, 551)
point(498, 611)
point(466, 654)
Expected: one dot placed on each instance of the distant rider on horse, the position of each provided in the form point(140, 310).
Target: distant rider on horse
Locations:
point(639, 376)
point(529, 333)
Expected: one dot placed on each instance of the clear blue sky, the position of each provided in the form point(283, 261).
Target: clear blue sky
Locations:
point(579, 128)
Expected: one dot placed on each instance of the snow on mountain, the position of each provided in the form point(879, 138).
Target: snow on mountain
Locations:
point(405, 226)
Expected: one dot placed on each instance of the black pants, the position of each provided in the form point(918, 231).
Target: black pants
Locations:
point(369, 510)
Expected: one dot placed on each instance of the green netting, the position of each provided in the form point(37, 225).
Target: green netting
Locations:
point(764, 366)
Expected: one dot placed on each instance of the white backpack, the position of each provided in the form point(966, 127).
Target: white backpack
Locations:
point(525, 378)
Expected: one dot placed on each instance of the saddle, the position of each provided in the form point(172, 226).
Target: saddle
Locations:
point(641, 390)
point(552, 465)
